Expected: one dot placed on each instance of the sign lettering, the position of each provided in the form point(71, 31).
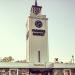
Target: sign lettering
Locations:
point(37, 32)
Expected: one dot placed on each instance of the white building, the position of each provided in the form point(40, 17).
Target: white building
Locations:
point(37, 36)
point(37, 51)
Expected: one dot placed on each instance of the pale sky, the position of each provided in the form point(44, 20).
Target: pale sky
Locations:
point(61, 27)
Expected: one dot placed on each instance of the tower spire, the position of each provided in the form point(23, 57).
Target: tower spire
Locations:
point(35, 2)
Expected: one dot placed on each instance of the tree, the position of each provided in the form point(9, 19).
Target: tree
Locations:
point(7, 59)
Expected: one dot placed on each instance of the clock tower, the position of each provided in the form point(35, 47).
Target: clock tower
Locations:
point(37, 36)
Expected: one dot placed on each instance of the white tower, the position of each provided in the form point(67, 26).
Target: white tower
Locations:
point(37, 36)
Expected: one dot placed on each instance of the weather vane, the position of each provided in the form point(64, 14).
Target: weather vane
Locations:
point(35, 2)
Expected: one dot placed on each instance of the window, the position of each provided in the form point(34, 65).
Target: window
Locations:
point(38, 56)
point(67, 72)
point(27, 35)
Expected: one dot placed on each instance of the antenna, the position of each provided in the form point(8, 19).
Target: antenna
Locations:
point(72, 58)
point(35, 2)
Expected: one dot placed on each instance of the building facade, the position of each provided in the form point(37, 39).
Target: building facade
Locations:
point(37, 58)
point(37, 36)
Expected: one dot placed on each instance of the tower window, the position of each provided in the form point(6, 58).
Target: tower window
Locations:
point(27, 35)
point(38, 56)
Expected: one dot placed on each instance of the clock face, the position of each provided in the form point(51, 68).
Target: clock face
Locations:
point(36, 10)
point(38, 23)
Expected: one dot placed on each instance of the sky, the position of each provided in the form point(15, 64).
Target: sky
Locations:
point(61, 27)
